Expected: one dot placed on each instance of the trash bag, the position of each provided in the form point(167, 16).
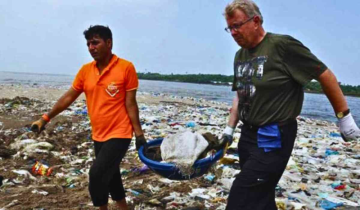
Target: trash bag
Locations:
point(183, 149)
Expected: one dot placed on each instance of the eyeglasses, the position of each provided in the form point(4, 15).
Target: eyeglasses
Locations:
point(236, 27)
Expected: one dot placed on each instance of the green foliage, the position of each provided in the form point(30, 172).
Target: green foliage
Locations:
point(351, 90)
point(315, 87)
point(191, 78)
point(218, 79)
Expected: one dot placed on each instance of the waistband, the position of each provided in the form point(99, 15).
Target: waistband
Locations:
point(256, 127)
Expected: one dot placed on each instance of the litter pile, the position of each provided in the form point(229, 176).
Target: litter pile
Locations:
point(50, 170)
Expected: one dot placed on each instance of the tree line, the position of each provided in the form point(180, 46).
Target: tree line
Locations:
point(218, 79)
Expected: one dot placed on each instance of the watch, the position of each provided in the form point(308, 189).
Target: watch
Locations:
point(340, 115)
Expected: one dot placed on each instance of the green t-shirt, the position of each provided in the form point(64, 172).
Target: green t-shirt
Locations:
point(269, 79)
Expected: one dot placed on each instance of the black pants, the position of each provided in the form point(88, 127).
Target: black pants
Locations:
point(105, 174)
point(254, 187)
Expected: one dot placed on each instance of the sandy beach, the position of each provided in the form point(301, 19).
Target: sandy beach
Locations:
point(323, 167)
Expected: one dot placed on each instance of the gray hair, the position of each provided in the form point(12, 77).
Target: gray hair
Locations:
point(247, 6)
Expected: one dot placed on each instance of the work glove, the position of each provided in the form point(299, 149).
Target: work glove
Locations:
point(140, 141)
point(38, 126)
point(226, 139)
point(227, 136)
point(348, 128)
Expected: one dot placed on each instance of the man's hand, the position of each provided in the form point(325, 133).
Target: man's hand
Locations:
point(227, 136)
point(38, 126)
point(226, 139)
point(348, 128)
point(140, 141)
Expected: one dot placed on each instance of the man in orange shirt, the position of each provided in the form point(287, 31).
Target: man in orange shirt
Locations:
point(110, 85)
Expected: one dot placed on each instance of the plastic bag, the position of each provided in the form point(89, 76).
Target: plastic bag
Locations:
point(183, 149)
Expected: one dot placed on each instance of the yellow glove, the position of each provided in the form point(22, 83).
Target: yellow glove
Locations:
point(38, 126)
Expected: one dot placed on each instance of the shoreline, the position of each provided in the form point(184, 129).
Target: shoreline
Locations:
point(205, 83)
point(305, 91)
point(52, 94)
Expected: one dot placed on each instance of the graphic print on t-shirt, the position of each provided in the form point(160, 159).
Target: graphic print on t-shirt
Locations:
point(245, 71)
point(112, 89)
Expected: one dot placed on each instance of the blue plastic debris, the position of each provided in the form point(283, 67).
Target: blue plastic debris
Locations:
point(134, 192)
point(356, 156)
point(323, 195)
point(334, 134)
point(336, 184)
point(293, 199)
point(210, 177)
point(329, 152)
point(190, 124)
point(84, 111)
point(328, 205)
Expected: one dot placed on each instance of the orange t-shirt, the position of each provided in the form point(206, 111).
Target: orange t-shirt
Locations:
point(105, 97)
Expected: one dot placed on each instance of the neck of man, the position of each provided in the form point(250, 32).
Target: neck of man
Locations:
point(260, 35)
point(101, 64)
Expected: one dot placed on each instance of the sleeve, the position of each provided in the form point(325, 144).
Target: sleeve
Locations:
point(301, 64)
point(132, 81)
point(78, 83)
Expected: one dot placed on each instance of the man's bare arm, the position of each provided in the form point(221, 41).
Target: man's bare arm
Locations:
point(133, 111)
point(234, 117)
point(332, 90)
point(348, 128)
point(233, 121)
point(64, 102)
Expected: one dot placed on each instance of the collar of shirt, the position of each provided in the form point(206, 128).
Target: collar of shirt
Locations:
point(114, 59)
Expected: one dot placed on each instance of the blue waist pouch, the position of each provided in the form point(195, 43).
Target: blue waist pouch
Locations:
point(269, 137)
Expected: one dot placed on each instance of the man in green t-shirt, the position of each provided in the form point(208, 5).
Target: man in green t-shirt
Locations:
point(270, 71)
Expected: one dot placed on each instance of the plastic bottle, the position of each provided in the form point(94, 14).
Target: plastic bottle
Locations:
point(190, 124)
point(41, 169)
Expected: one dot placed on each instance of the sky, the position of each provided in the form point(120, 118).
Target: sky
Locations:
point(170, 36)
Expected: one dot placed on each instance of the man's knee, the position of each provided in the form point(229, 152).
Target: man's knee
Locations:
point(95, 173)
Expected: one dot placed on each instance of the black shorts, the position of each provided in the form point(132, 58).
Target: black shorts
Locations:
point(254, 187)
